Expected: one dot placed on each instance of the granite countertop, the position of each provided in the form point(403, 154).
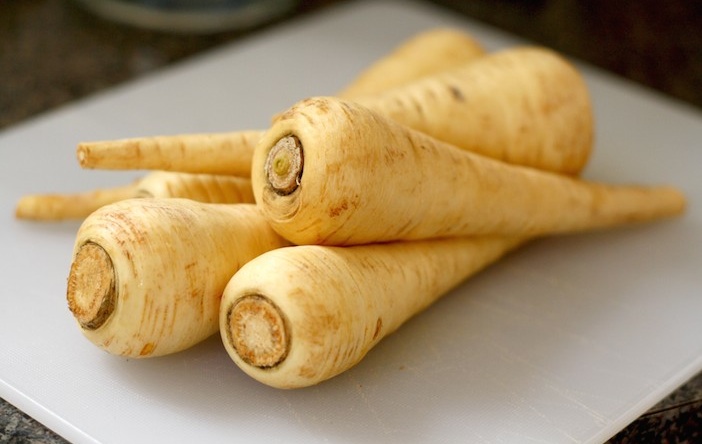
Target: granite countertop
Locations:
point(53, 52)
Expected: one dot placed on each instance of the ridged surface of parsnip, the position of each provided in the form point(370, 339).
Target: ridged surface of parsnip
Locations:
point(523, 105)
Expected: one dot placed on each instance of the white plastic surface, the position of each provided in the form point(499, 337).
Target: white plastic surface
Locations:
point(567, 340)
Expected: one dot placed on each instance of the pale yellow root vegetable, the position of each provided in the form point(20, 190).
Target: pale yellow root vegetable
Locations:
point(216, 153)
point(333, 172)
point(424, 54)
point(148, 274)
point(297, 316)
point(230, 153)
point(524, 105)
point(208, 188)
point(55, 207)
point(201, 187)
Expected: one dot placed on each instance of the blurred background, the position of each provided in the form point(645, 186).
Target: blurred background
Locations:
point(56, 51)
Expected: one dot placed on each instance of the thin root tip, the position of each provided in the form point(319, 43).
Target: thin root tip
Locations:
point(257, 331)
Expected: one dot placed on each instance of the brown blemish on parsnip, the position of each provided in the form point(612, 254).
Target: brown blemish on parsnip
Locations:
point(257, 330)
point(337, 210)
point(147, 349)
point(378, 328)
point(457, 93)
point(91, 291)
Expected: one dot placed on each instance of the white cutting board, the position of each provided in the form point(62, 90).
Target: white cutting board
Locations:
point(568, 340)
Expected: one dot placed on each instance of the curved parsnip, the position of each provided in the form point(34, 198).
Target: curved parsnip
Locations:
point(526, 106)
point(328, 306)
point(201, 187)
point(147, 274)
point(423, 54)
point(333, 172)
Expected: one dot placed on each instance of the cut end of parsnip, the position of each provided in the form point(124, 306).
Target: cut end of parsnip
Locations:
point(91, 286)
point(256, 329)
point(284, 164)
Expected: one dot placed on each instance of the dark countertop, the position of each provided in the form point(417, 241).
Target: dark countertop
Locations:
point(53, 52)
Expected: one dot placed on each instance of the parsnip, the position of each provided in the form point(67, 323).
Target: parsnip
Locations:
point(201, 187)
point(326, 307)
point(524, 105)
point(427, 53)
point(215, 153)
point(147, 274)
point(333, 172)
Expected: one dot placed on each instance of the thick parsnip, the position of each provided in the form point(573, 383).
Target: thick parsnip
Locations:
point(524, 105)
point(333, 172)
point(201, 187)
point(148, 274)
point(427, 53)
point(297, 316)
point(216, 153)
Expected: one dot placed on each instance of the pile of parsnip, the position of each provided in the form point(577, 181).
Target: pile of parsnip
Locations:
point(306, 243)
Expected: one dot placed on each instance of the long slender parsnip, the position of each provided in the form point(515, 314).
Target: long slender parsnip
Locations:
point(216, 153)
point(333, 172)
point(328, 306)
point(147, 274)
point(524, 105)
point(201, 187)
point(427, 53)
point(56, 207)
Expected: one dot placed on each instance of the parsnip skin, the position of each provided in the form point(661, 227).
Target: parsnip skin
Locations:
point(215, 153)
point(523, 105)
point(423, 54)
point(328, 306)
point(206, 188)
point(368, 179)
point(148, 274)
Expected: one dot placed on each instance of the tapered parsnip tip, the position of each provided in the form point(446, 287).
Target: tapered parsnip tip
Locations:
point(257, 330)
point(29, 207)
point(91, 286)
point(283, 167)
point(48, 207)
